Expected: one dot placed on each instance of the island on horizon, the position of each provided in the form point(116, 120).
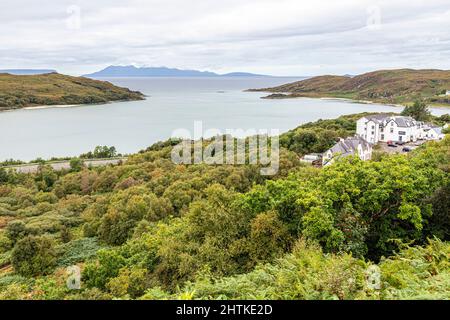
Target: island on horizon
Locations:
point(132, 71)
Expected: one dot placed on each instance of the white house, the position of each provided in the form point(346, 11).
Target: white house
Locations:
point(310, 158)
point(432, 132)
point(348, 147)
point(447, 93)
point(381, 127)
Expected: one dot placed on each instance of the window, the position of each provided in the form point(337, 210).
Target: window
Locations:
point(382, 137)
point(392, 130)
point(402, 133)
point(382, 129)
point(373, 132)
point(373, 127)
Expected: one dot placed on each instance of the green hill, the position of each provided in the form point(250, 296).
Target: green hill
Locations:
point(19, 91)
point(401, 86)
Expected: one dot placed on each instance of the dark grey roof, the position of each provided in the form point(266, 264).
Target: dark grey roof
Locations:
point(401, 121)
point(350, 145)
point(379, 116)
point(433, 126)
point(405, 121)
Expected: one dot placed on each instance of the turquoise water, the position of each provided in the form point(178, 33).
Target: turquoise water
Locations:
point(172, 103)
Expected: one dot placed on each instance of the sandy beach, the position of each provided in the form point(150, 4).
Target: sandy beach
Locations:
point(53, 106)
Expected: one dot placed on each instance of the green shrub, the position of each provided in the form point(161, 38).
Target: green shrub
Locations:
point(76, 164)
point(76, 251)
point(109, 264)
point(8, 280)
point(16, 230)
point(5, 243)
point(418, 273)
point(34, 256)
point(130, 282)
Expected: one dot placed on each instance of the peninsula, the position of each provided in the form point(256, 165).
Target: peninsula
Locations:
point(402, 86)
point(20, 91)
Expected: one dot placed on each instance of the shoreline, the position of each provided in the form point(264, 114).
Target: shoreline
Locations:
point(59, 106)
point(338, 99)
point(51, 106)
point(288, 96)
point(364, 102)
point(62, 106)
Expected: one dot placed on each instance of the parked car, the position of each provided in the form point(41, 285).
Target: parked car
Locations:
point(391, 144)
point(400, 143)
point(406, 149)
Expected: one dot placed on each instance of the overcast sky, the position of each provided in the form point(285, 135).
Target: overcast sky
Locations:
point(279, 37)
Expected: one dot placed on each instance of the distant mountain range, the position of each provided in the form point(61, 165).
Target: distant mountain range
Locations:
point(22, 72)
point(132, 71)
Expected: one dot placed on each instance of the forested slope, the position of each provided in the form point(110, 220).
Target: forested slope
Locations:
point(150, 229)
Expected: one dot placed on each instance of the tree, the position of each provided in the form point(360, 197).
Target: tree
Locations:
point(34, 256)
point(439, 225)
point(45, 178)
point(104, 152)
point(132, 282)
point(16, 230)
point(65, 234)
point(109, 264)
point(100, 152)
point(76, 164)
point(419, 111)
point(269, 237)
point(3, 176)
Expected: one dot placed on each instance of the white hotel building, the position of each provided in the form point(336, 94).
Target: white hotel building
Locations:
point(381, 127)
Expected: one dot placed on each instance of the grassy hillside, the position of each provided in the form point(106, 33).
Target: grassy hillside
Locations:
point(18, 91)
point(388, 86)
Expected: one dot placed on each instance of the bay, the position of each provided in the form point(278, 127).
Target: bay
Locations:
point(171, 104)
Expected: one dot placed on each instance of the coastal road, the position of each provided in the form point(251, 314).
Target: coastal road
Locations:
point(61, 165)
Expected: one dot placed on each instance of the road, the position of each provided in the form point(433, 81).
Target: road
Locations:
point(60, 165)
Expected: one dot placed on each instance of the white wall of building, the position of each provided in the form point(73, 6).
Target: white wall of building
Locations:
point(432, 134)
point(364, 154)
point(368, 130)
point(374, 131)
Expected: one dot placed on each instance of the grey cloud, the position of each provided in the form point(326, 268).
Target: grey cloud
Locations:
point(286, 37)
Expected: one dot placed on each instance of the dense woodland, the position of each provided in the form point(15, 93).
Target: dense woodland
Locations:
point(150, 229)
